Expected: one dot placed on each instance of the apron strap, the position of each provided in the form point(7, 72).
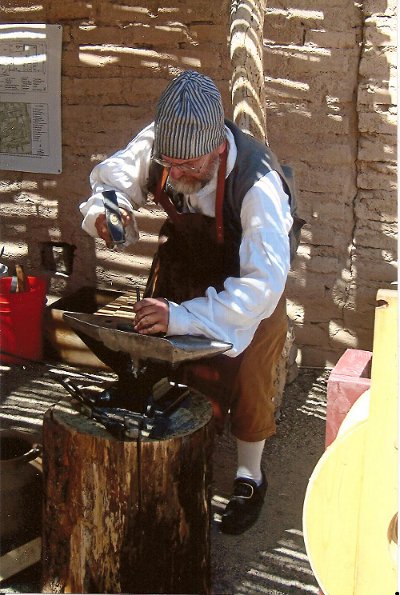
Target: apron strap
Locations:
point(219, 201)
point(162, 198)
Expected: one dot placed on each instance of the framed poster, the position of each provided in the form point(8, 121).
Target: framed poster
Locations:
point(30, 98)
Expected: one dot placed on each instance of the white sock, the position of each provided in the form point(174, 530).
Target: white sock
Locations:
point(249, 459)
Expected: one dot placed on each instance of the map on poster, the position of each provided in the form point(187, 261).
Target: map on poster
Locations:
point(30, 97)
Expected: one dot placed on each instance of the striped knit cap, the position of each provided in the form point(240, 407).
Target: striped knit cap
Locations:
point(189, 118)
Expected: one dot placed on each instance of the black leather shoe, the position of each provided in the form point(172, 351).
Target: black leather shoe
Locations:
point(244, 506)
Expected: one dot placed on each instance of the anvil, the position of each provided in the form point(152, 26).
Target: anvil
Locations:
point(144, 395)
point(117, 333)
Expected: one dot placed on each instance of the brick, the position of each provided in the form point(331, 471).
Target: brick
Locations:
point(15, 209)
point(375, 234)
point(311, 334)
point(379, 33)
point(71, 10)
point(322, 311)
point(285, 60)
point(378, 60)
point(376, 265)
point(19, 11)
point(380, 7)
point(377, 175)
point(321, 356)
point(124, 12)
point(333, 39)
point(384, 122)
point(339, 179)
point(281, 28)
point(376, 205)
point(376, 93)
point(342, 335)
point(209, 33)
point(130, 35)
point(378, 148)
point(340, 152)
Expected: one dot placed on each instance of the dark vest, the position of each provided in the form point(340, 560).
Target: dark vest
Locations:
point(254, 160)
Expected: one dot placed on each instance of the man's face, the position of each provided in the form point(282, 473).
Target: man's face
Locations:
point(189, 176)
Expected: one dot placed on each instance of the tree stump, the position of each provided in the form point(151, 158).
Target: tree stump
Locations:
point(127, 516)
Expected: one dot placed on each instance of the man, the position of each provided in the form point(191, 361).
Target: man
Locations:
point(222, 262)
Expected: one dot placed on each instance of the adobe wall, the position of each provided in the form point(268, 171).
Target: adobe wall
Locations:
point(330, 76)
point(331, 105)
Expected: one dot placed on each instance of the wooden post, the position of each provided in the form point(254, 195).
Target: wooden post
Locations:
point(248, 102)
point(127, 516)
point(246, 51)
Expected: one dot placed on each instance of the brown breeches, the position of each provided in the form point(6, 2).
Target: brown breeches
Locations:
point(244, 385)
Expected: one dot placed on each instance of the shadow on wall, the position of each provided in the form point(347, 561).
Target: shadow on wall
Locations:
point(324, 117)
point(117, 58)
point(327, 83)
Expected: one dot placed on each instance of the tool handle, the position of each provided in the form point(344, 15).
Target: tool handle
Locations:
point(22, 279)
point(113, 217)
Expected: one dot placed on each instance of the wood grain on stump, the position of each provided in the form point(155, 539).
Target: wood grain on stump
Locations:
point(127, 516)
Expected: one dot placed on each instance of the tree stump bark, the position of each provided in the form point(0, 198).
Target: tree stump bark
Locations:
point(127, 516)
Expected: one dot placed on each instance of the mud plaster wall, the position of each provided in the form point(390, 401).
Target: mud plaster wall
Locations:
point(330, 72)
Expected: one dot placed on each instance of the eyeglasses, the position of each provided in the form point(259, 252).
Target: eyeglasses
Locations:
point(185, 167)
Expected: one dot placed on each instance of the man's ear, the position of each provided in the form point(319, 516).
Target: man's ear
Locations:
point(221, 148)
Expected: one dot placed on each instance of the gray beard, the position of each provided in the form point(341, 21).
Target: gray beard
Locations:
point(187, 185)
point(183, 186)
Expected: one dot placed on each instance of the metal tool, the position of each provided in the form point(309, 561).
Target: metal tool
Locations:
point(144, 397)
point(113, 217)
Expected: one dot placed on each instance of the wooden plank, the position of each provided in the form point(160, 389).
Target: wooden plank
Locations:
point(350, 509)
point(376, 570)
point(20, 558)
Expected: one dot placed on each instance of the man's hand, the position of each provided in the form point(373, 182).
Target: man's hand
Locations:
point(152, 316)
point(102, 229)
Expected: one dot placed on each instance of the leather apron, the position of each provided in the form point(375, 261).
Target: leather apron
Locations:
point(194, 253)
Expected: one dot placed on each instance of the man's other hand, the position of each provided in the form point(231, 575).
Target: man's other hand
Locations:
point(152, 316)
point(102, 229)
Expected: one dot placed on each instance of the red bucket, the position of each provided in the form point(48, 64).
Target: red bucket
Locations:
point(21, 316)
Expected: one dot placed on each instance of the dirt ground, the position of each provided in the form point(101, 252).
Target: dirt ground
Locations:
point(271, 556)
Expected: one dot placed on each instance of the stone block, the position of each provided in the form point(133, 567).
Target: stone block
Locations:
point(281, 28)
point(341, 334)
point(284, 119)
point(377, 175)
point(379, 32)
point(374, 234)
point(380, 7)
point(332, 39)
point(283, 61)
point(376, 265)
point(155, 35)
point(378, 147)
point(348, 380)
point(312, 334)
point(208, 33)
point(383, 122)
point(17, 11)
point(382, 60)
point(70, 10)
point(376, 205)
point(310, 356)
point(339, 179)
point(375, 93)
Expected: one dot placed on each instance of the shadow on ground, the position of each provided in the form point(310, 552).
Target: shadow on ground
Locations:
point(270, 557)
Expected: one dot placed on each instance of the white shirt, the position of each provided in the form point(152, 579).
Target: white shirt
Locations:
point(233, 314)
